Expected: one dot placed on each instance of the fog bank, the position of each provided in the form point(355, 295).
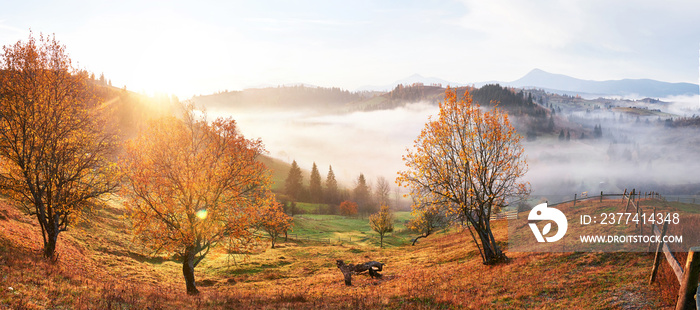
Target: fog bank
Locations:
point(360, 142)
point(633, 152)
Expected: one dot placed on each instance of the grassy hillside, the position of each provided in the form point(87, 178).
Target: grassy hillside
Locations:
point(350, 230)
point(279, 170)
point(100, 267)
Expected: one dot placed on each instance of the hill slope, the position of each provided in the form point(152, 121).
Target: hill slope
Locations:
point(99, 267)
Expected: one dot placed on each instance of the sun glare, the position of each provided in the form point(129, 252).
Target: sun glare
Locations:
point(202, 214)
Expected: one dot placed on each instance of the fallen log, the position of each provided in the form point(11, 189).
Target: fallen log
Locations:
point(349, 269)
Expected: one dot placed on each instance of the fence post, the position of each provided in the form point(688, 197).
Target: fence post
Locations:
point(659, 251)
point(639, 216)
point(574, 200)
point(601, 196)
point(689, 285)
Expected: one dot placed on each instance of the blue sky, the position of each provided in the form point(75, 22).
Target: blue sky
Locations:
point(199, 47)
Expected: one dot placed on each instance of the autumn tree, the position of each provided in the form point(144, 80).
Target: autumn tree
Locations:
point(193, 184)
point(468, 162)
point(426, 221)
point(293, 185)
point(274, 222)
point(348, 208)
point(382, 222)
point(315, 190)
point(55, 145)
point(331, 194)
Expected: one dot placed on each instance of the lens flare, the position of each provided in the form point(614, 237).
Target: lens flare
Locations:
point(202, 214)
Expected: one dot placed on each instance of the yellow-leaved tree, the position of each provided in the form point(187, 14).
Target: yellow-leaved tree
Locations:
point(468, 162)
point(426, 221)
point(382, 222)
point(55, 148)
point(193, 184)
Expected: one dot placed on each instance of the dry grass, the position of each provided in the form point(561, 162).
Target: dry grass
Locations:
point(99, 268)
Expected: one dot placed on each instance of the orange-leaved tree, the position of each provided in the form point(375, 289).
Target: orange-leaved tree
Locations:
point(382, 222)
point(468, 161)
point(274, 221)
point(348, 208)
point(193, 184)
point(55, 148)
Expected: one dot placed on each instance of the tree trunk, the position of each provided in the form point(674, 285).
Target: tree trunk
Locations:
point(492, 253)
point(381, 241)
point(51, 232)
point(188, 271)
point(50, 245)
point(414, 240)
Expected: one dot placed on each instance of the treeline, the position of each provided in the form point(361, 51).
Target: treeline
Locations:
point(516, 103)
point(416, 92)
point(534, 119)
point(365, 197)
point(693, 121)
point(281, 97)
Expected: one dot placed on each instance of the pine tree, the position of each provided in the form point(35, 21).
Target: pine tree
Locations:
point(293, 185)
point(331, 187)
point(362, 195)
point(597, 131)
point(315, 189)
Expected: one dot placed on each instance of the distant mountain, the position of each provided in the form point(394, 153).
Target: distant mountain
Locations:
point(560, 83)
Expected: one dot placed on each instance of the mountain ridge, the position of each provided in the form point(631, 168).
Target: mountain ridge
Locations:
point(564, 84)
point(624, 87)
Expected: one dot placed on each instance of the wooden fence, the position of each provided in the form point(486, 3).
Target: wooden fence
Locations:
point(505, 215)
point(322, 240)
point(687, 277)
point(633, 194)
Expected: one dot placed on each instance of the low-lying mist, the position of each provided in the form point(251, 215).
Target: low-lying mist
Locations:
point(371, 142)
point(638, 149)
point(633, 152)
